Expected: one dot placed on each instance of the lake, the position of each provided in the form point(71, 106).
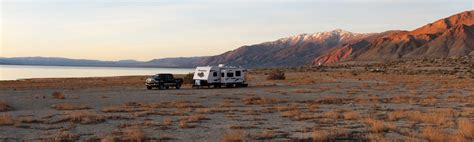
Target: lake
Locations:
point(14, 72)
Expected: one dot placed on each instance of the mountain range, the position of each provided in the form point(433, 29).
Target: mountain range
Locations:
point(447, 37)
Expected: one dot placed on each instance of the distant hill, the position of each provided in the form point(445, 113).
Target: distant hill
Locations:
point(447, 37)
point(54, 61)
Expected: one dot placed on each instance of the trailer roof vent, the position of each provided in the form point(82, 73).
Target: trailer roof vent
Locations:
point(221, 65)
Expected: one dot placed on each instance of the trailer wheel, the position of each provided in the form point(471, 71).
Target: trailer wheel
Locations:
point(178, 86)
point(149, 87)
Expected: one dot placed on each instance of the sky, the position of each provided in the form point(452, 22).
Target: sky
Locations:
point(151, 29)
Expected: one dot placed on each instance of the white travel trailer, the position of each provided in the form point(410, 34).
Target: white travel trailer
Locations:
point(218, 76)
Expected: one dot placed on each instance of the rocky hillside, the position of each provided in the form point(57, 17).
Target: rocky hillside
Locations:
point(448, 37)
point(291, 51)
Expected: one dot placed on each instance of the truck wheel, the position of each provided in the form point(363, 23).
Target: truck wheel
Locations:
point(178, 86)
point(161, 87)
point(149, 87)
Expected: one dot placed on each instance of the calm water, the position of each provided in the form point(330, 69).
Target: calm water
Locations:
point(13, 72)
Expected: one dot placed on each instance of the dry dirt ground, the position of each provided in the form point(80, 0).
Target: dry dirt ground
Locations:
point(309, 105)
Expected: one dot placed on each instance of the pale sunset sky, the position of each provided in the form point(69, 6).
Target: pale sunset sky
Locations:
point(149, 29)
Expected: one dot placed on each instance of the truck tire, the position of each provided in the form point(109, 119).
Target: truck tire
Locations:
point(161, 87)
point(178, 86)
point(149, 87)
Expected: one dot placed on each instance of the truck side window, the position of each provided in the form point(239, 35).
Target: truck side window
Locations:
point(230, 74)
point(237, 73)
point(214, 74)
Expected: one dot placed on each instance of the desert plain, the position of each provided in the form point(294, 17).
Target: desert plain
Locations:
point(419, 100)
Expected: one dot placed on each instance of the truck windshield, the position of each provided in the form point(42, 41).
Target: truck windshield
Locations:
point(156, 77)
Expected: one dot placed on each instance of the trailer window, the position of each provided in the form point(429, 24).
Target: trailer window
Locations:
point(222, 74)
point(214, 74)
point(230, 74)
point(237, 73)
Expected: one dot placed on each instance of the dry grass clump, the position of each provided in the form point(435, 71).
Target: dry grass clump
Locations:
point(4, 106)
point(320, 136)
point(252, 100)
point(121, 108)
point(276, 75)
point(134, 134)
point(6, 120)
point(329, 135)
point(351, 115)
point(297, 115)
point(396, 115)
point(129, 134)
point(186, 104)
point(312, 107)
point(167, 122)
point(196, 118)
point(302, 91)
point(439, 117)
point(466, 128)
point(184, 124)
point(378, 125)
point(233, 136)
point(84, 117)
point(70, 106)
point(331, 100)
point(429, 100)
point(402, 99)
point(332, 114)
point(58, 95)
point(242, 127)
point(434, 135)
point(62, 135)
point(264, 135)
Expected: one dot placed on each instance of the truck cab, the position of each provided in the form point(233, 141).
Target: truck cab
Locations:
point(163, 81)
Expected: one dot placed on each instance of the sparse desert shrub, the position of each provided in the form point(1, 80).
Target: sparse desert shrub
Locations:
point(251, 100)
point(196, 118)
point(4, 106)
point(186, 104)
point(276, 75)
point(233, 136)
point(84, 117)
point(62, 135)
point(331, 100)
point(297, 115)
point(58, 95)
point(134, 134)
point(302, 91)
point(320, 136)
point(378, 125)
point(188, 78)
point(332, 114)
point(129, 134)
point(466, 128)
point(167, 122)
point(184, 124)
point(351, 115)
point(6, 120)
point(70, 106)
point(264, 135)
point(396, 115)
point(313, 107)
point(434, 135)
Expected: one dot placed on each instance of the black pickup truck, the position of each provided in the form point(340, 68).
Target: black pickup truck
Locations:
point(163, 81)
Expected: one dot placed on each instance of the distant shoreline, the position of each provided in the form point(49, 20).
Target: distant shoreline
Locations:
point(95, 66)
